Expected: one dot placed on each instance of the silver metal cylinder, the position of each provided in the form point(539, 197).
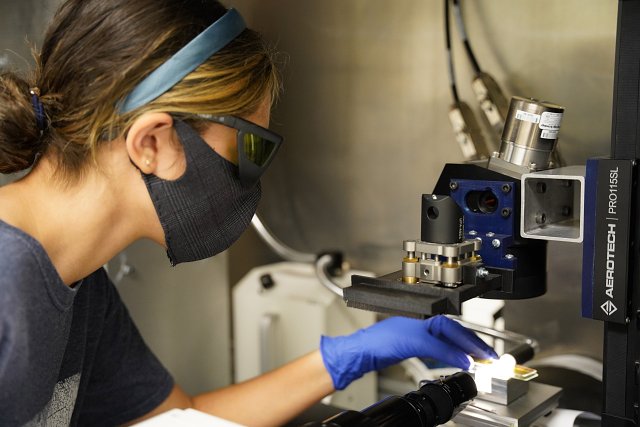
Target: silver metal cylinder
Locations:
point(410, 270)
point(530, 132)
point(451, 276)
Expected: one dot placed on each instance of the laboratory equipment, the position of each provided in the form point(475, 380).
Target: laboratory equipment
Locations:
point(435, 403)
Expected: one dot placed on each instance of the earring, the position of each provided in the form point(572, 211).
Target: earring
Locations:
point(147, 162)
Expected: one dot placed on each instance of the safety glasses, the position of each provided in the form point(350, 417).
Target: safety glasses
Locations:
point(256, 146)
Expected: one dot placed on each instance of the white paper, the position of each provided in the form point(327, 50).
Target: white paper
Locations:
point(186, 418)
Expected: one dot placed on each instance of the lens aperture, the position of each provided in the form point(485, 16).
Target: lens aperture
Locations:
point(482, 201)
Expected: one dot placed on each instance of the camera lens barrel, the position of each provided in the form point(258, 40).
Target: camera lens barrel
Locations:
point(435, 403)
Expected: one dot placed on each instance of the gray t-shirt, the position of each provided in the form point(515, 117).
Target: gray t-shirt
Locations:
point(68, 356)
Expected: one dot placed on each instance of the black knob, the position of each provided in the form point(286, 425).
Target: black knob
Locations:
point(267, 281)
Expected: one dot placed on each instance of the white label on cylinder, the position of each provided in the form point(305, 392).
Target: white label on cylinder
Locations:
point(527, 117)
point(549, 134)
point(550, 121)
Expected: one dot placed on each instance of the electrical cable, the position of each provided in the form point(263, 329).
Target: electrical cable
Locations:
point(280, 248)
point(493, 103)
point(322, 266)
point(499, 99)
point(463, 36)
point(452, 74)
point(323, 263)
point(467, 131)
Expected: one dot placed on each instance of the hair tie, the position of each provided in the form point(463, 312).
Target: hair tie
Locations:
point(39, 109)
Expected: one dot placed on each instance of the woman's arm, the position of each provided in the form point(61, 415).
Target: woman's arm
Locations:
point(271, 399)
point(274, 398)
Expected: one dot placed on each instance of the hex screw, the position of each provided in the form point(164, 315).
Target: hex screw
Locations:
point(506, 188)
point(473, 233)
point(541, 218)
point(509, 256)
point(453, 185)
point(506, 212)
point(490, 234)
point(409, 245)
point(495, 243)
point(541, 187)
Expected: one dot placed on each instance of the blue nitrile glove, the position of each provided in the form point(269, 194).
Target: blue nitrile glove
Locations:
point(392, 340)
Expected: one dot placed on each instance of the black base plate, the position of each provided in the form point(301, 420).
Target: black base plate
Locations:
point(388, 294)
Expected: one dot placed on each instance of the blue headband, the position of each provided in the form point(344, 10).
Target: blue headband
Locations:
point(187, 59)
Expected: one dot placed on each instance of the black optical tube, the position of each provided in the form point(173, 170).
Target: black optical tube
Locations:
point(435, 403)
point(442, 220)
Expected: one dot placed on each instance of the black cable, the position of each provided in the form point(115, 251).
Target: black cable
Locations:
point(463, 36)
point(452, 75)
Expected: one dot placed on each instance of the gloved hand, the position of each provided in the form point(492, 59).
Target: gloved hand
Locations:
point(392, 340)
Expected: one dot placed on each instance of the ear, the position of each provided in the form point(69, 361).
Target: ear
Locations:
point(153, 146)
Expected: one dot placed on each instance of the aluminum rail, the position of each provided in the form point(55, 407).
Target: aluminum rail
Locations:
point(525, 350)
point(502, 335)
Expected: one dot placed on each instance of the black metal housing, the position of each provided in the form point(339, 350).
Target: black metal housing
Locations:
point(622, 341)
point(529, 280)
point(389, 294)
point(441, 220)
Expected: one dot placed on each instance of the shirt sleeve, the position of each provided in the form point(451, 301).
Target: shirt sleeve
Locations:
point(127, 381)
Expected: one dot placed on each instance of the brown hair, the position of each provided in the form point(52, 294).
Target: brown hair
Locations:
point(96, 51)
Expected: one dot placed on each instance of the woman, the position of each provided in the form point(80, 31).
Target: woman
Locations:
point(146, 119)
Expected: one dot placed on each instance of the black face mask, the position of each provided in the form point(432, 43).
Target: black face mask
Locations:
point(206, 210)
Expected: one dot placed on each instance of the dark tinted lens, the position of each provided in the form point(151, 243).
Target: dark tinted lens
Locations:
point(258, 149)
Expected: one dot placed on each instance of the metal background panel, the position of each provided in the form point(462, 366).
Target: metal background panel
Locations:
point(364, 115)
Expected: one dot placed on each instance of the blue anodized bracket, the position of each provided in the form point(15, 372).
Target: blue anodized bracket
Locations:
point(494, 224)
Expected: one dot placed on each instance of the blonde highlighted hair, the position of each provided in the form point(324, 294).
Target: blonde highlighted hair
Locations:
point(94, 54)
